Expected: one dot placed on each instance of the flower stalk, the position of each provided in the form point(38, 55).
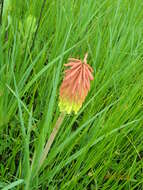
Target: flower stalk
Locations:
point(51, 138)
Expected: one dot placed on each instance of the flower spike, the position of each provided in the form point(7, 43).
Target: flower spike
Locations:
point(75, 85)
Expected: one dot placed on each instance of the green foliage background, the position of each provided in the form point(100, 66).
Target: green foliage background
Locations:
point(102, 146)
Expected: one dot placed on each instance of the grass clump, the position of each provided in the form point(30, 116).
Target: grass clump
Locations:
point(100, 147)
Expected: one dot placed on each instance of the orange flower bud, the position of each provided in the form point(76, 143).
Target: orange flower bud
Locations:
point(75, 85)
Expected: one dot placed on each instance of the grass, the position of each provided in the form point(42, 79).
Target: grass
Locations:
point(102, 146)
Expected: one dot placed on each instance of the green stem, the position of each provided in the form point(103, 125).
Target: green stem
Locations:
point(1, 12)
point(47, 146)
point(51, 138)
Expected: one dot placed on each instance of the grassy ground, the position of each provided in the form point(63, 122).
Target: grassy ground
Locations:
point(100, 148)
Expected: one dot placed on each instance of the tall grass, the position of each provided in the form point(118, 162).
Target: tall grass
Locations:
point(102, 146)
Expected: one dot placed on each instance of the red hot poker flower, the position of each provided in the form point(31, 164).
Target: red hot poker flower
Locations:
point(75, 85)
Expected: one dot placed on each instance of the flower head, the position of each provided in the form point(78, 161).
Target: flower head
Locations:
point(75, 85)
